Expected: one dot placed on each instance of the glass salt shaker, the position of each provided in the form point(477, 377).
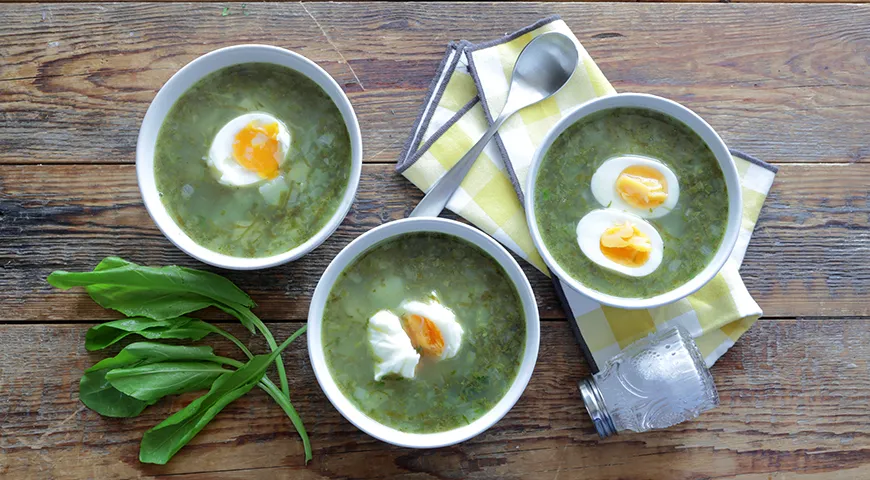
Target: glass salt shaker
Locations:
point(655, 382)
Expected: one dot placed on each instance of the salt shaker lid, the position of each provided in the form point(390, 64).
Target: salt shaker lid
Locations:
point(596, 408)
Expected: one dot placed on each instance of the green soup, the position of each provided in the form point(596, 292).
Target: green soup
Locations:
point(253, 220)
point(444, 394)
point(691, 232)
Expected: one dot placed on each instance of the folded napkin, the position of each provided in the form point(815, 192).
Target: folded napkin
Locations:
point(465, 96)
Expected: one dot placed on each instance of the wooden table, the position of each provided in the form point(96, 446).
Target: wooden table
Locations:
point(787, 83)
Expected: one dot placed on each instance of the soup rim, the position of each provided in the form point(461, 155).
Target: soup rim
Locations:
point(363, 244)
point(723, 157)
point(180, 83)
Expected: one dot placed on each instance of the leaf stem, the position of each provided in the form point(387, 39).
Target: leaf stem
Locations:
point(245, 315)
point(229, 336)
point(285, 404)
point(281, 399)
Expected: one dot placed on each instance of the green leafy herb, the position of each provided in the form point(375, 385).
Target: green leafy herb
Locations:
point(282, 400)
point(157, 380)
point(248, 318)
point(160, 293)
point(225, 12)
point(100, 396)
point(106, 334)
point(144, 353)
point(98, 393)
point(146, 302)
point(162, 442)
point(168, 279)
point(157, 299)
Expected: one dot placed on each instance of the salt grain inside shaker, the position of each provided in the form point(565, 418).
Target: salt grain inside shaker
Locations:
point(656, 382)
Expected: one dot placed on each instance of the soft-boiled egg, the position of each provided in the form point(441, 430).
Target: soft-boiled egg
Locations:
point(635, 184)
point(391, 346)
point(249, 149)
point(432, 328)
point(620, 241)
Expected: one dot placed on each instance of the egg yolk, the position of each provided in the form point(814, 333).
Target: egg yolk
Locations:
point(256, 148)
point(625, 245)
point(642, 186)
point(424, 335)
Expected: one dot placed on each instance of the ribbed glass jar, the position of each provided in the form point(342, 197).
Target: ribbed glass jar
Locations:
point(656, 382)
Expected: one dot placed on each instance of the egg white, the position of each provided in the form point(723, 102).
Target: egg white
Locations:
point(604, 185)
point(596, 222)
point(444, 320)
point(391, 346)
point(220, 155)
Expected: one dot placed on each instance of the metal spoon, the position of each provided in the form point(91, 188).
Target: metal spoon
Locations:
point(543, 67)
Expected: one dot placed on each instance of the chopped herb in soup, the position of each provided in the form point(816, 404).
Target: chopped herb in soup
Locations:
point(252, 160)
point(424, 332)
point(631, 202)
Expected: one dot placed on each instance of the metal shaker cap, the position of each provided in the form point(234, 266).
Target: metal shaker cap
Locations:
point(596, 408)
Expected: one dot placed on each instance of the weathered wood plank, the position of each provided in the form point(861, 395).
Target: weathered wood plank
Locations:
point(785, 82)
point(805, 258)
point(794, 397)
point(504, 1)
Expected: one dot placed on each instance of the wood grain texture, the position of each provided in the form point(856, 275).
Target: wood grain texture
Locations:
point(804, 259)
point(794, 401)
point(509, 1)
point(787, 83)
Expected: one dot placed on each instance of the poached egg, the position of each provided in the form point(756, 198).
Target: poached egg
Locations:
point(425, 329)
point(391, 346)
point(432, 328)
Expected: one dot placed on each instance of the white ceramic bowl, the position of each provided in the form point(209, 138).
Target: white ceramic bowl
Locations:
point(716, 145)
point(364, 243)
point(183, 80)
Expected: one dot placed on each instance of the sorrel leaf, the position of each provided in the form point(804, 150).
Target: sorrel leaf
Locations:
point(106, 334)
point(154, 381)
point(170, 279)
point(163, 441)
point(143, 353)
point(100, 396)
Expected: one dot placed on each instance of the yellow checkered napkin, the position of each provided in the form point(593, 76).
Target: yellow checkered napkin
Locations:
point(466, 94)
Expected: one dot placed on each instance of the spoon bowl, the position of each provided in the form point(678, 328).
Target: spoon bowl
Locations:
point(544, 66)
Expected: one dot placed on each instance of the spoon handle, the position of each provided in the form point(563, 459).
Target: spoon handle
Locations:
point(438, 196)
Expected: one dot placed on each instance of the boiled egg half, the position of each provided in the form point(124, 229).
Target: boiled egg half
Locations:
point(636, 184)
point(620, 241)
point(391, 346)
point(249, 149)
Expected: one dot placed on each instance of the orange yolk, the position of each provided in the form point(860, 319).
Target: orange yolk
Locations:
point(424, 335)
point(642, 186)
point(625, 245)
point(256, 148)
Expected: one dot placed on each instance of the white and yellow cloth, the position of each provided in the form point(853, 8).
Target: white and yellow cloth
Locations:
point(466, 95)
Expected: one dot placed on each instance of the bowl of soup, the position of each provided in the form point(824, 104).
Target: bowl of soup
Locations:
point(423, 332)
point(634, 201)
point(249, 157)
